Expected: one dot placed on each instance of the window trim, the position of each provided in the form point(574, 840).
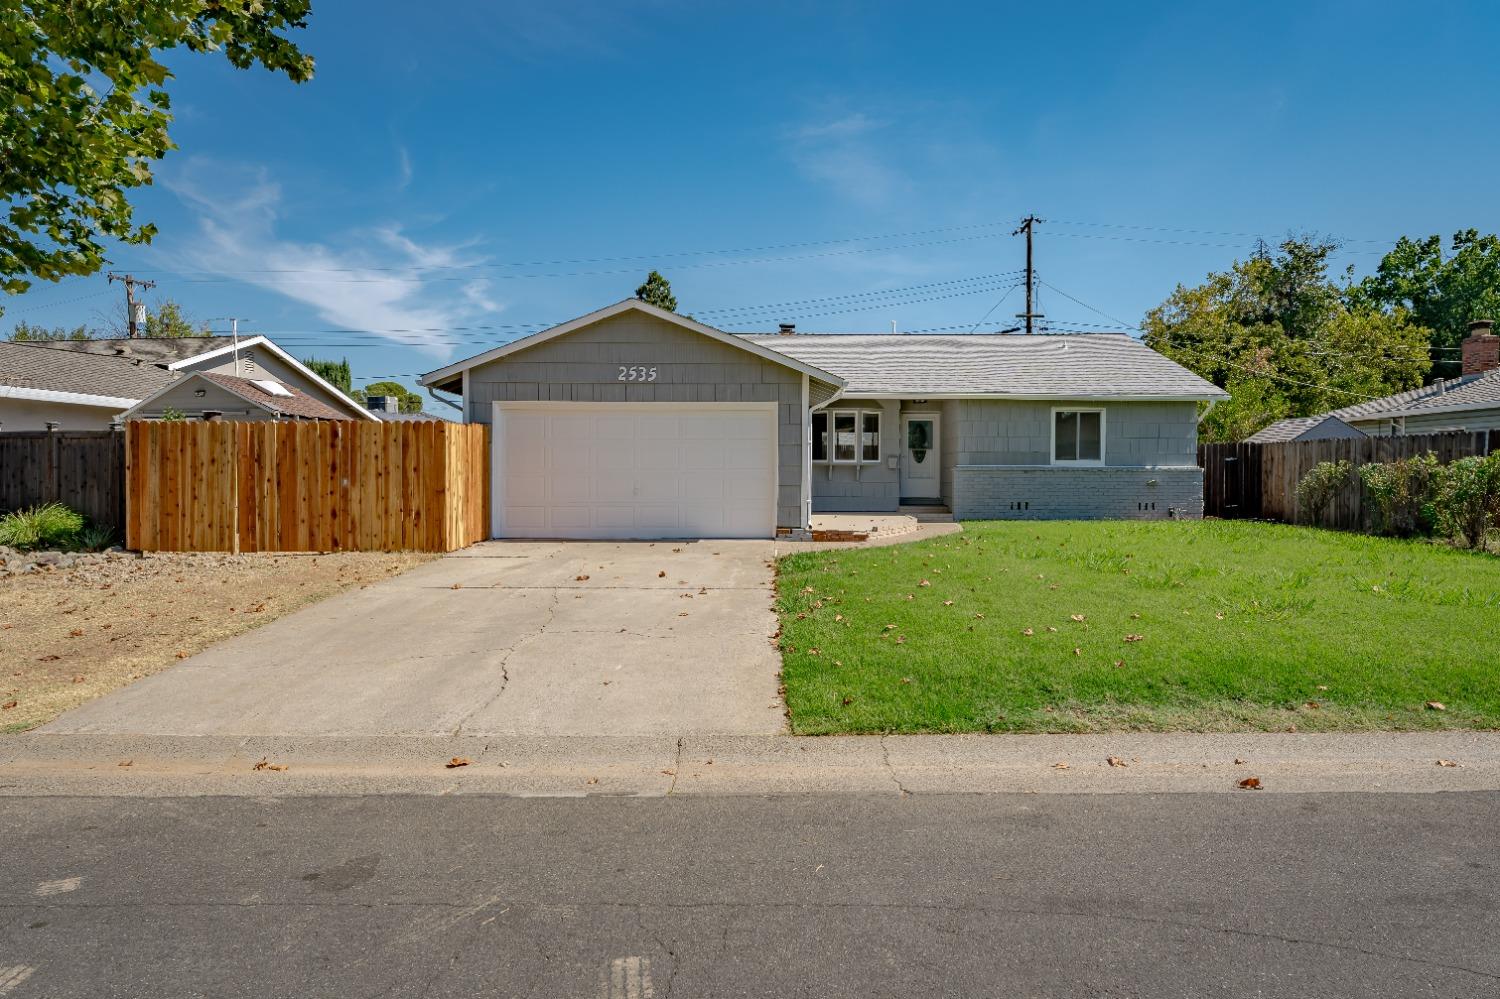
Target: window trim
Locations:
point(1078, 462)
point(831, 450)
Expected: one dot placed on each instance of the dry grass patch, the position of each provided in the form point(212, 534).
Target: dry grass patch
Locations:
point(70, 635)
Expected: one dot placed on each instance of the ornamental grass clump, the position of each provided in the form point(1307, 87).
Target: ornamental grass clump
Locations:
point(50, 525)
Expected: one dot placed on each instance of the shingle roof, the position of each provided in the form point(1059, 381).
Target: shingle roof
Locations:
point(46, 366)
point(409, 417)
point(1293, 428)
point(299, 403)
point(1464, 392)
point(153, 350)
point(1075, 366)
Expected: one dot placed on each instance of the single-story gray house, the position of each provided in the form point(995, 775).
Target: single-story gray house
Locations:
point(1469, 402)
point(636, 422)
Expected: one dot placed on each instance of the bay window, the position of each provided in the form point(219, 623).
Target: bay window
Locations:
point(846, 436)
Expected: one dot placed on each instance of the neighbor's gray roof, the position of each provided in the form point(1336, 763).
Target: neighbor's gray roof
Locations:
point(422, 417)
point(1294, 428)
point(1072, 366)
point(45, 366)
point(299, 403)
point(1464, 392)
point(153, 350)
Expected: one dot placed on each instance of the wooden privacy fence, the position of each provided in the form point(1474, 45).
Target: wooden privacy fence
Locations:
point(1260, 480)
point(82, 469)
point(310, 486)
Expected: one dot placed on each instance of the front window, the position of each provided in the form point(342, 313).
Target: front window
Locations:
point(846, 436)
point(1078, 436)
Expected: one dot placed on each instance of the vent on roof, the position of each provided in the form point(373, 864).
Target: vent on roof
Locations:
point(271, 388)
point(786, 329)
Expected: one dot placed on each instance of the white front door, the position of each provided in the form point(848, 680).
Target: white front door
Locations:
point(634, 470)
point(921, 469)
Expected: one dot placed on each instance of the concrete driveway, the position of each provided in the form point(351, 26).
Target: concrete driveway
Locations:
point(504, 638)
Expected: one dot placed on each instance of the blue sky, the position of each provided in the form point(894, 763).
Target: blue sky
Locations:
point(483, 169)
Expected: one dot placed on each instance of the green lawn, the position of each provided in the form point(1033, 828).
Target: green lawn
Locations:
point(1028, 627)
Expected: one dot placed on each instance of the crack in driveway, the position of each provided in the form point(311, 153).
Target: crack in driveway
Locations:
point(505, 659)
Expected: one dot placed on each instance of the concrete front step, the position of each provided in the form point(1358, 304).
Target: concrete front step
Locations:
point(928, 514)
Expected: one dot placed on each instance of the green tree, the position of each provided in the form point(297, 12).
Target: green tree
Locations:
point(335, 373)
point(410, 402)
point(657, 291)
point(169, 320)
point(25, 331)
point(87, 113)
point(1285, 340)
point(1442, 293)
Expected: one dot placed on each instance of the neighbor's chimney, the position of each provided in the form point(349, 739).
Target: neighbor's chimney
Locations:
point(383, 404)
point(786, 329)
point(1481, 350)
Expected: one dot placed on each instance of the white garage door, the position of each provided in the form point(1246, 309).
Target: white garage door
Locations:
point(634, 470)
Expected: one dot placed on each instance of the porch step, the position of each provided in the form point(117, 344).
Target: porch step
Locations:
point(928, 514)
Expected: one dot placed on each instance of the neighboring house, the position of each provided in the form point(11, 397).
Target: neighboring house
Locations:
point(635, 422)
point(87, 384)
point(1469, 402)
point(210, 395)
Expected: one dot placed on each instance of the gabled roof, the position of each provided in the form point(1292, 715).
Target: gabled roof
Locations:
point(151, 349)
point(44, 371)
point(1310, 428)
point(998, 365)
point(448, 374)
point(167, 354)
point(294, 402)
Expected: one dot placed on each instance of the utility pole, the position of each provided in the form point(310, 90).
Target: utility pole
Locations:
point(135, 312)
point(1028, 226)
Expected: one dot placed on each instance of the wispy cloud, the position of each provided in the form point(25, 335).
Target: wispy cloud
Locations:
point(403, 165)
point(379, 280)
point(843, 152)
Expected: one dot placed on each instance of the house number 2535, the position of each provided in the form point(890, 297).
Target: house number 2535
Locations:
point(637, 373)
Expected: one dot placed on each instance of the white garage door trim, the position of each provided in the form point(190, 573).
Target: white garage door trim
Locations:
point(644, 519)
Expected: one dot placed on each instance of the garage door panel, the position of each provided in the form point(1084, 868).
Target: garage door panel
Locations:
point(603, 470)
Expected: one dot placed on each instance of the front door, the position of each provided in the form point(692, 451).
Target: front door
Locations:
point(921, 475)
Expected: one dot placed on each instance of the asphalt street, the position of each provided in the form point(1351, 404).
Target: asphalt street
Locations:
point(1296, 895)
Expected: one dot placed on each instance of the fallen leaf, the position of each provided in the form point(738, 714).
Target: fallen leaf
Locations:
point(1027, 632)
point(979, 616)
point(458, 761)
point(1115, 761)
point(1059, 766)
point(78, 679)
point(592, 780)
point(1119, 663)
point(261, 764)
point(125, 763)
point(1250, 784)
point(906, 679)
point(1218, 615)
point(1050, 628)
point(76, 633)
point(662, 574)
point(1135, 617)
point(900, 639)
point(276, 766)
point(890, 627)
point(1436, 706)
point(580, 578)
point(48, 659)
point(1075, 617)
point(924, 583)
point(1313, 704)
point(181, 655)
point(8, 705)
point(1134, 638)
point(1077, 651)
point(1238, 762)
point(456, 586)
point(848, 701)
point(670, 773)
point(947, 603)
point(1446, 763)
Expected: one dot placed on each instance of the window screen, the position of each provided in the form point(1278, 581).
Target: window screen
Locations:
point(1079, 435)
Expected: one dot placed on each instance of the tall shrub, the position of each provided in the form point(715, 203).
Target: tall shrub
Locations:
point(1468, 499)
point(1400, 495)
point(1319, 486)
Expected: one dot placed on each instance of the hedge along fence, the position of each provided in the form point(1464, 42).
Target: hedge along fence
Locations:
point(1260, 480)
point(313, 486)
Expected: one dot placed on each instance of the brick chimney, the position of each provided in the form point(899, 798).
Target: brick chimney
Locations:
point(1481, 350)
